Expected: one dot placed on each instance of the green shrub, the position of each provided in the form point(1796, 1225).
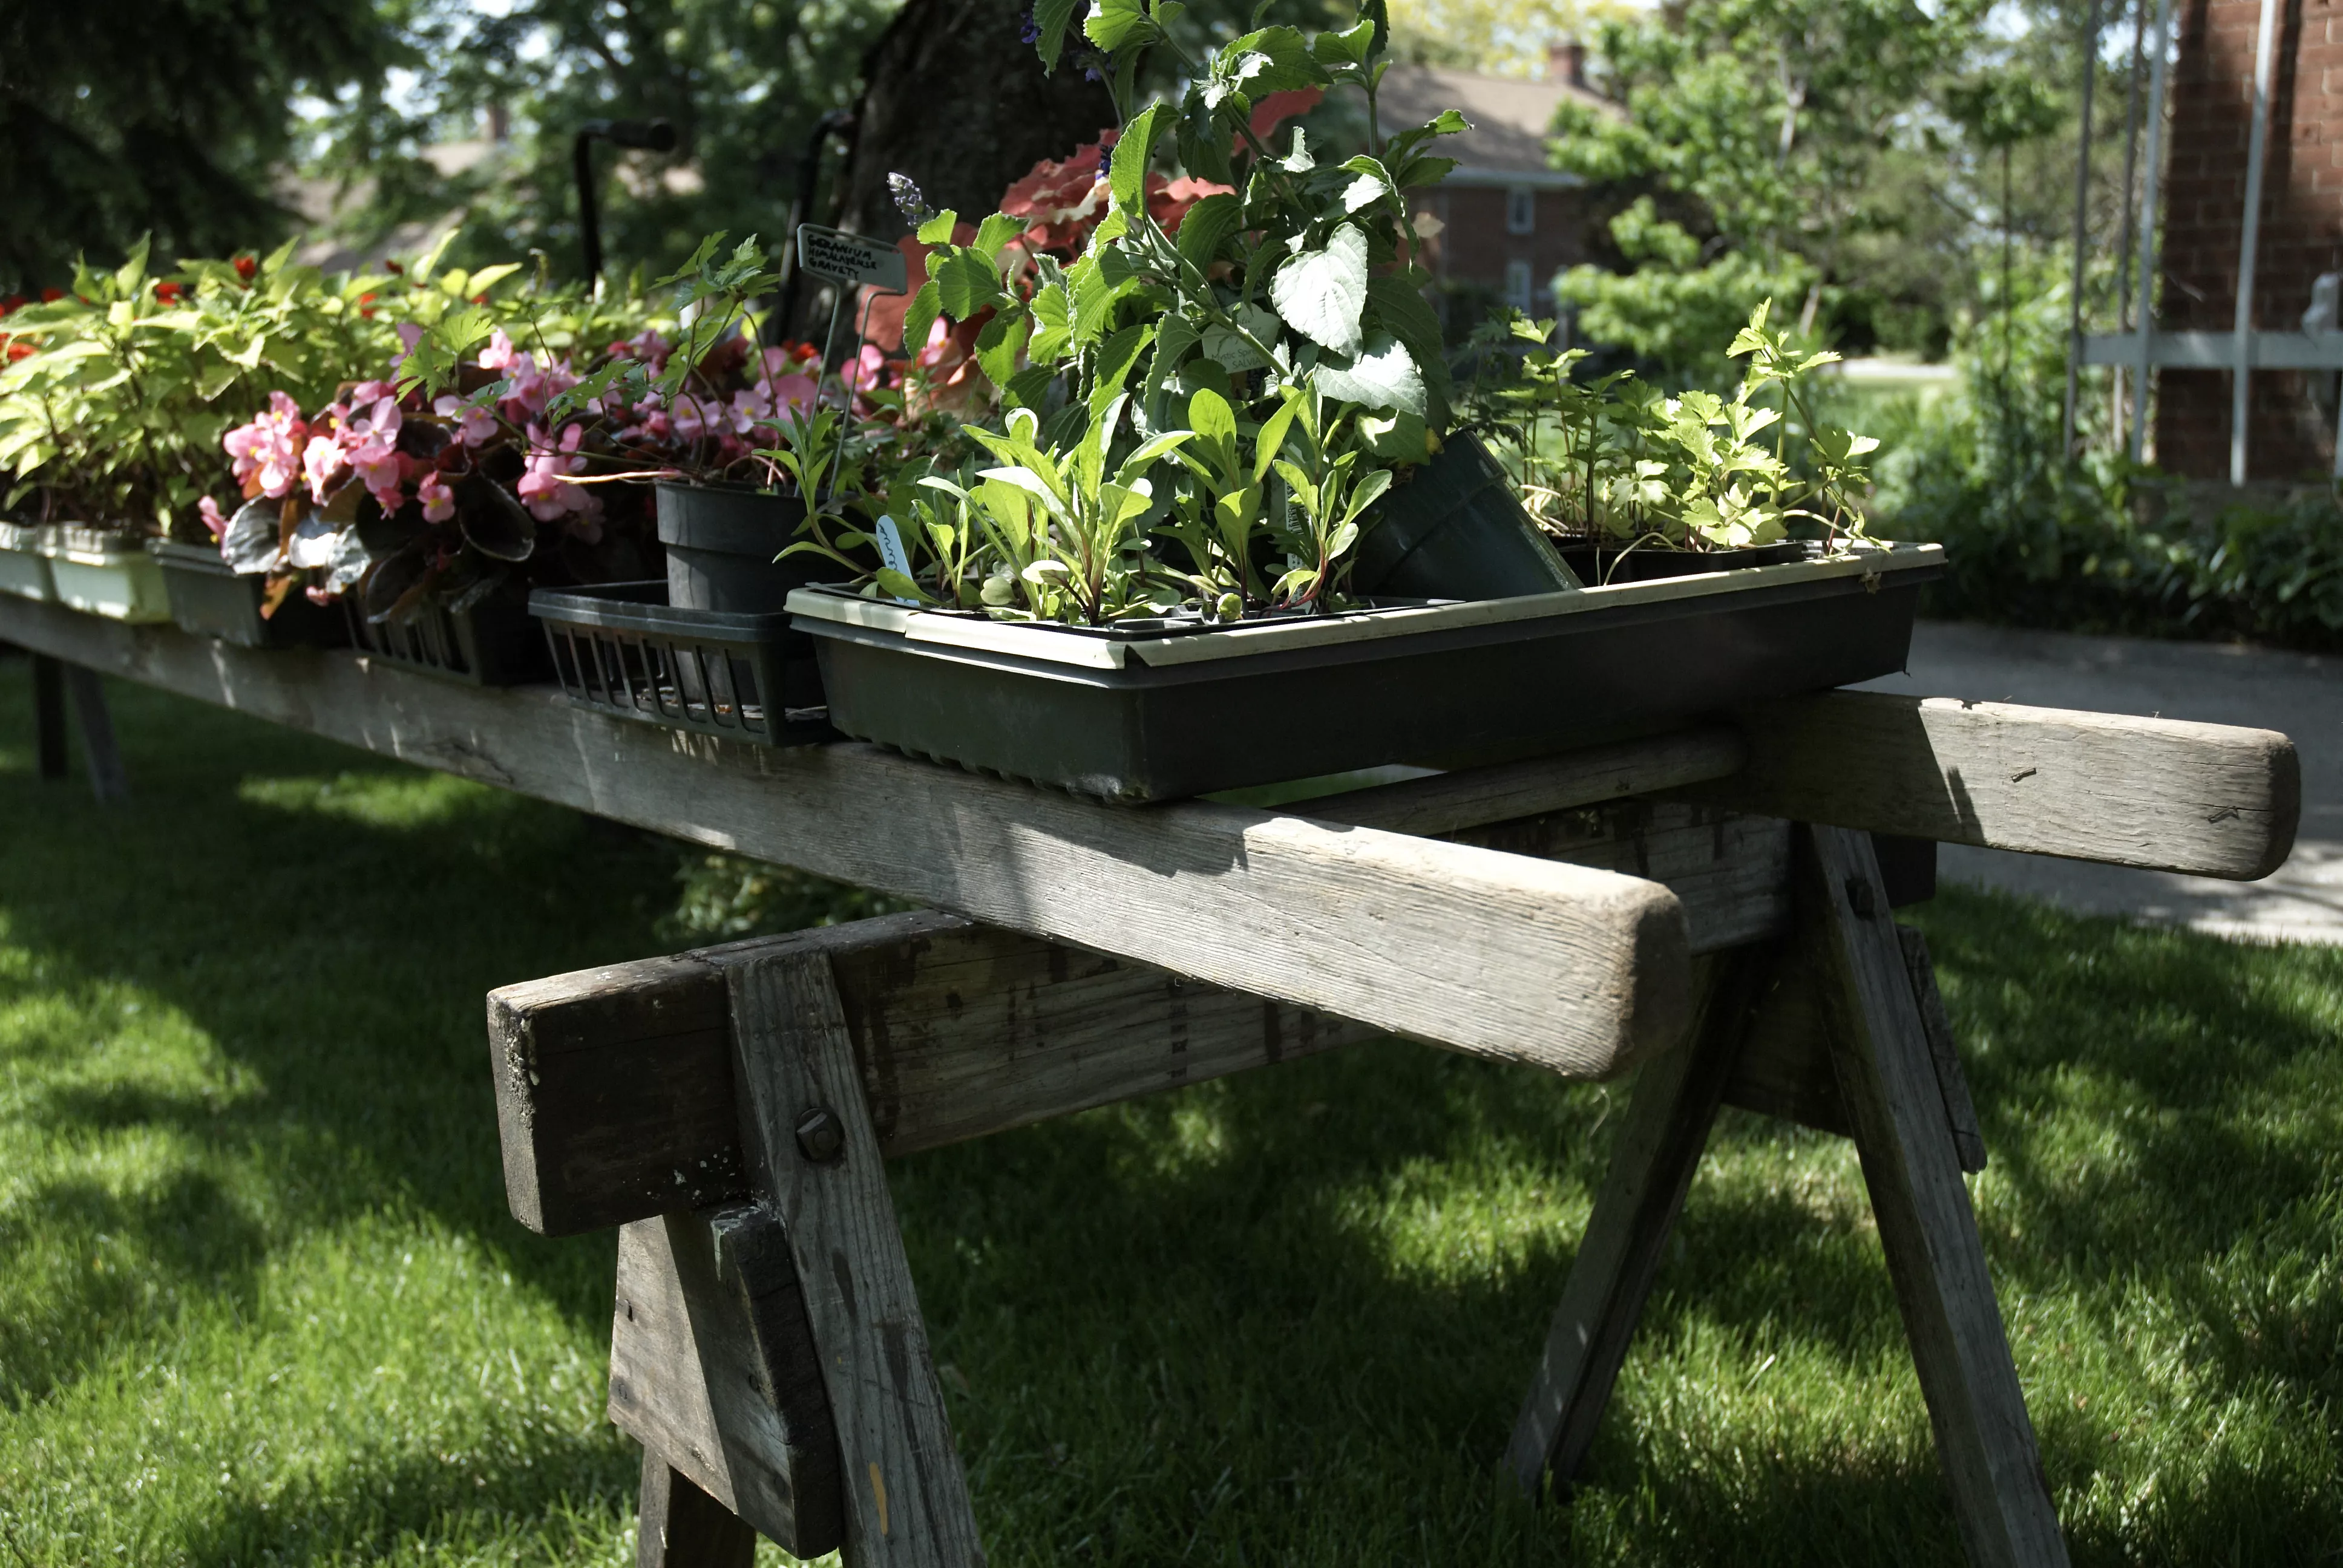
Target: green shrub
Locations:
point(2037, 541)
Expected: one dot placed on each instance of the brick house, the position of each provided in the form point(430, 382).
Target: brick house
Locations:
point(1507, 222)
point(2291, 428)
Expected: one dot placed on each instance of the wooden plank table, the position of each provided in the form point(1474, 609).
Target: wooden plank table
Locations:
point(1709, 904)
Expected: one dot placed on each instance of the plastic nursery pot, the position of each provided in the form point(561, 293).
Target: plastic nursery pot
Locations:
point(1456, 529)
point(720, 543)
point(105, 571)
point(491, 643)
point(210, 599)
point(1157, 711)
point(1598, 562)
point(24, 568)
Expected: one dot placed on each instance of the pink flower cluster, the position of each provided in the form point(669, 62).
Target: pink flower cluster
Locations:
point(268, 451)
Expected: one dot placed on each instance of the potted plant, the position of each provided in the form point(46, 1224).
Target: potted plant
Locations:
point(1150, 588)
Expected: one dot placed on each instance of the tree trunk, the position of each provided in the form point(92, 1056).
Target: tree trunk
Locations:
point(957, 100)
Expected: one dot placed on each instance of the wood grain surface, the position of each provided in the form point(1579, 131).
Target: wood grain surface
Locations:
point(1579, 971)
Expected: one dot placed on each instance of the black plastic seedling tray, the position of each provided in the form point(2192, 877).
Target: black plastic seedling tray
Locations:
point(211, 598)
point(488, 644)
point(1151, 713)
point(622, 648)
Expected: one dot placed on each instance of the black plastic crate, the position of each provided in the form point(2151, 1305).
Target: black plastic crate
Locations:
point(622, 649)
point(489, 644)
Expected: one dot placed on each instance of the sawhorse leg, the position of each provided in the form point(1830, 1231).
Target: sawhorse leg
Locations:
point(1899, 1098)
point(53, 680)
point(49, 715)
point(683, 1527)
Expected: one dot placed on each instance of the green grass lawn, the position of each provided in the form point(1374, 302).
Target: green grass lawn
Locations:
point(261, 1300)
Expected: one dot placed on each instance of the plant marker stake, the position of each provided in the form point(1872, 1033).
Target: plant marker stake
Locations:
point(846, 261)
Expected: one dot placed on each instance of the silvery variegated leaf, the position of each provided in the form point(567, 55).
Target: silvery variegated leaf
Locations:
point(1321, 294)
point(250, 544)
point(349, 563)
point(314, 542)
point(1382, 376)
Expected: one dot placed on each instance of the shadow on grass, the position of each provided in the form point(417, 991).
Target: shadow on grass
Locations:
point(1201, 1325)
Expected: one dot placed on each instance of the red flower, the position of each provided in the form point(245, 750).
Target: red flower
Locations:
point(20, 351)
point(365, 300)
point(168, 293)
point(1168, 201)
point(1279, 108)
point(13, 301)
point(245, 265)
point(51, 296)
point(1062, 198)
point(394, 269)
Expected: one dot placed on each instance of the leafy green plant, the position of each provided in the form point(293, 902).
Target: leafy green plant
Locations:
point(1270, 337)
point(115, 417)
point(1616, 460)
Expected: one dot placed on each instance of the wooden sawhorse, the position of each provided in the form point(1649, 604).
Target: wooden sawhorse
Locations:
point(732, 1109)
point(53, 680)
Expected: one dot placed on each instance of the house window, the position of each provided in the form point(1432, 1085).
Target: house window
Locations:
point(1521, 210)
point(1517, 286)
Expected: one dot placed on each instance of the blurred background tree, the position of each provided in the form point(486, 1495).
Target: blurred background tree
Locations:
point(123, 118)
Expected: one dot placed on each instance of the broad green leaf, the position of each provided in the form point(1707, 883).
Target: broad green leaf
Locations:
point(937, 230)
point(919, 315)
point(965, 282)
point(1206, 228)
point(997, 231)
point(999, 344)
point(1273, 434)
point(1113, 24)
point(1382, 376)
point(1127, 173)
point(1051, 19)
point(1320, 293)
point(1209, 416)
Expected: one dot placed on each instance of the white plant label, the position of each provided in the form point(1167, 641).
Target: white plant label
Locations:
point(850, 259)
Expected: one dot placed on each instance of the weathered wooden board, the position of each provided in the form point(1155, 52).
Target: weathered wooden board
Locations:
point(1889, 1087)
point(906, 1499)
point(615, 1096)
point(614, 1101)
point(1651, 1166)
point(2210, 799)
point(1445, 802)
point(707, 1370)
point(680, 1526)
point(1579, 971)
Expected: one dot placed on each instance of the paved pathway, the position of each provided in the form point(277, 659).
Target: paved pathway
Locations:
point(2300, 694)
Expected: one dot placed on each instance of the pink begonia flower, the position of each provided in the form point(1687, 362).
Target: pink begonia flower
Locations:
point(376, 421)
point(370, 392)
point(544, 486)
point(789, 392)
point(646, 346)
point(865, 371)
point(439, 500)
point(269, 446)
point(377, 465)
point(208, 509)
point(475, 425)
point(692, 420)
point(498, 354)
point(787, 359)
point(324, 462)
point(532, 388)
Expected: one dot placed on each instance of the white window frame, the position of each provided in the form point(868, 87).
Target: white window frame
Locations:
point(1521, 209)
point(1519, 286)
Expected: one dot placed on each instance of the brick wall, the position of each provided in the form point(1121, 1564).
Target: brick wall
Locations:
point(1473, 244)
point(2204, 218)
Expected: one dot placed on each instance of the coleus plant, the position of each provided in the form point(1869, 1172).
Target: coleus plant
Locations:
point(117, 394)
point(1616, 460)
point(1270, 352)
